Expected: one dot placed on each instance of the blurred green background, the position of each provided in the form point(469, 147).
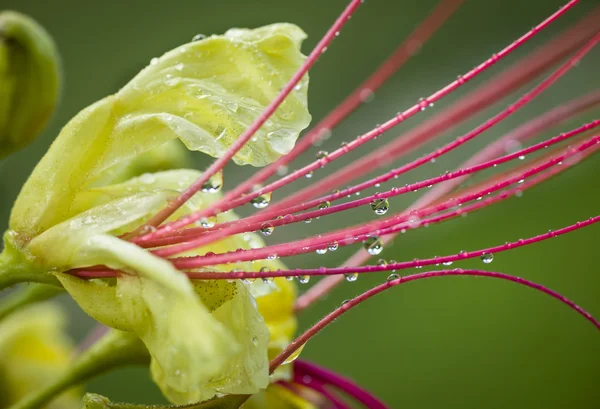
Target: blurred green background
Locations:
point(444, 343)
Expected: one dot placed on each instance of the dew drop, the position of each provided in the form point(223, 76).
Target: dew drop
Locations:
point(321, 154)
point(308, 220)
point(321, 250)
point(373, 245)
point(309, 175)
point(392, 277)
point(208, 222)
point(214, 184)
point(382, 262)
point(267, 229)
point(333, 246)
point(380, 206)
point(262, 201)
point(304, 279)
point(324, 205)
point(351, 277)
point(154, 61)
point(487, 258)
point(255, 341)
point(198, 37)
point(447, 263)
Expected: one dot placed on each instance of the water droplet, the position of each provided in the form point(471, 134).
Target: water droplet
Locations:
point(345, 302)
point(380, 206)
point(214, 184)
point(308, 220)
point(255, 341)
point(309, 175)
point(351, 277)
point(198, 37)
point(321, 154)
point(298, 87)
point(208, 222)
point(154, 61)
point(267, 229)
point(262, 201)
point(373, 245)
point(282, 170)
point(290, 278)
point(487, 258)
point(324, 205)
point(321, 250)
point(382, 262)
point(392, 277)
point(333, 246)
point(303, 279)
point(447, 263)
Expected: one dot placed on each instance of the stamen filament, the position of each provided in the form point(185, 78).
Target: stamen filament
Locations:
point(306, 336)
point(211, 210)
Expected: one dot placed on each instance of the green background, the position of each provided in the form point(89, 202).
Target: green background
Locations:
point(444, 343)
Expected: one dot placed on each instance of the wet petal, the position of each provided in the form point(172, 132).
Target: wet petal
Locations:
point(205, 93)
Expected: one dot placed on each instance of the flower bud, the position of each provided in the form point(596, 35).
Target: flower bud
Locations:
point(29, 80)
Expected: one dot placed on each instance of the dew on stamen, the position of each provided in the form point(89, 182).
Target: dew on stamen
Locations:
point(447, 263)
point(382, 262)
point(303, 279)
point(262, 201)
point(380, 206)
point(333, 246)
point(267, 229)
point(208, 222)
point(487, 258)
point(324, 205)
point(309, 175)
point(373, 245)
point(351, 277)
point(392, 277)
point(322, 250)
point(308, 220)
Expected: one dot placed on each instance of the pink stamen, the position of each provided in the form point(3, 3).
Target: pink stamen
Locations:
point(522, 133)
point(510, 80)
point(184, 221)
point(346, 306)
point(320, 376)
point(247, 225)
point(321, 271)
point(350, 235)
point(218, 164)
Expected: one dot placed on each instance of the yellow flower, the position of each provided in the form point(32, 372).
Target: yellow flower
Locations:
point(204, 337)
point(34, 351)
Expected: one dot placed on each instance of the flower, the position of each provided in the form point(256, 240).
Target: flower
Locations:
point(73, 208)
point(34, 350)
point(161, 257)
point(29, 80)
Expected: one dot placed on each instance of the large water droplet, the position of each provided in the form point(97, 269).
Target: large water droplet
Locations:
point(333, 246)
point(351, 277)
point(321, 250)
point(380, 206)
point(373, 245)
point(262, 201)
point(267, 229)
point(487, 258)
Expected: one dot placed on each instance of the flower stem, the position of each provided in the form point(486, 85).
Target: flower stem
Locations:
point(14, 269)
point(117, 348)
